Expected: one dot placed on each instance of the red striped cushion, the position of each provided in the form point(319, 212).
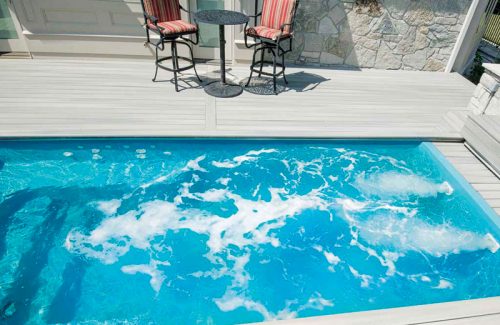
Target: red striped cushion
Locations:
point(275, 13)
point(164, 10)
point(266, 32)
point(175, 27)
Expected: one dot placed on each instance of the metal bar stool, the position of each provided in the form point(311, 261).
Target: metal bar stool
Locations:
point(163, 17)
point(277, 20)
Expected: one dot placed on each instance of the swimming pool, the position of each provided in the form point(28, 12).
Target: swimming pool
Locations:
point(224, 232)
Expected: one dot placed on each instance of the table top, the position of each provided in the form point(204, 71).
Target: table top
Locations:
point(221, 17)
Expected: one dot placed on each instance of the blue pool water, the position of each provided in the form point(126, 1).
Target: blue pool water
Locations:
point(224, 232)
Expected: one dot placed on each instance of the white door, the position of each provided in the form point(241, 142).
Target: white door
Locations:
point(208, 47)
point(11, 37)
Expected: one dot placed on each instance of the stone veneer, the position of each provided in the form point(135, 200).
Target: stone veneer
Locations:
point(383, 34)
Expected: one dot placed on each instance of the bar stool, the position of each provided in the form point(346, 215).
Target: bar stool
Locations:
point(277, 20)
point(163, 17)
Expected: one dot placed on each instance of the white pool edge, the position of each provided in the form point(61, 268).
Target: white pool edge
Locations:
point(474, 310)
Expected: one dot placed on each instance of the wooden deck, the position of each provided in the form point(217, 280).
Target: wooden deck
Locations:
point(55, 97)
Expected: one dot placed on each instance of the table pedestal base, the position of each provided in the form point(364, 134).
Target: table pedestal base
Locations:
point(223, 90)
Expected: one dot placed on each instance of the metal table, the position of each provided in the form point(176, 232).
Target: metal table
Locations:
point(222, 17)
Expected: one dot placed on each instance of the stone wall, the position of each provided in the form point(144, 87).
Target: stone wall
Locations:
point(383, 34)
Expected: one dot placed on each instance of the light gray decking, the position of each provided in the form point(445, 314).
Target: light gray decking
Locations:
point(473, 170)
point(117, 98)
point(482, 133)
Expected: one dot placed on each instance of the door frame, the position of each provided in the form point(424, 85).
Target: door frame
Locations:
point(212, 53)
point(14, 44)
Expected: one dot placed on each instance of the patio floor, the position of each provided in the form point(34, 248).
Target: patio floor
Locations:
point(57, 97)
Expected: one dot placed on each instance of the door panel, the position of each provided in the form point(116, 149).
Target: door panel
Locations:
point(10, 30)
point(208, 48)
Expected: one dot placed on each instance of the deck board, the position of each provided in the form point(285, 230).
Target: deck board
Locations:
point(474, 171)
point(57, 97)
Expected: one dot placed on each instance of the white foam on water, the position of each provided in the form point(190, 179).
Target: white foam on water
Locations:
point(233, 300)
point(313, 167)
point(140, 156)
point(95, 150)
point(316, 302)
point(159, 179)
point(67, 154)
point(397, 184)
point(412, 234)
point(252, 155)
point(109, 207)
point(96, 157)
point(365, 279)
point(157, 277)
point(223, 180)
point(256, 191)
point(333, 178)
point(212, 195)
point(331, 258)
point(140, 151)
point(190, 165)
point(195, 164)
point(444, 284)
point(249, 226)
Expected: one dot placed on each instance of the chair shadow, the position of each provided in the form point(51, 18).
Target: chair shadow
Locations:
point(297, 81)
point(189, 81)
point(185, 82)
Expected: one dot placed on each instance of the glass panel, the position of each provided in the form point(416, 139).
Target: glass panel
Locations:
point(209, 34)
point(7, 28)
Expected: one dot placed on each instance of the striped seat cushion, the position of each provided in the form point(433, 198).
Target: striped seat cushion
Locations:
point(175, 27)
point(164, 10)
point(275, 13)
point(266, 32)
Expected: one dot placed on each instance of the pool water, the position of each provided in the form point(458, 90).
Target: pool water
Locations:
point(223, 232)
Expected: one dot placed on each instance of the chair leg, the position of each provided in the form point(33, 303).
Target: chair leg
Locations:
point(283, 65)
point(175, 63)
point(251, 67)
point(261, 62)
point(156, 62)
point(274, 72)
point(194, 64)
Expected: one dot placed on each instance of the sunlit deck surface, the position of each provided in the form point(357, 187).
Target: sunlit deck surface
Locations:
point(60, 97)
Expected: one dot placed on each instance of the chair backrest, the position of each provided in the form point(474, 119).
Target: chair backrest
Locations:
point(164, 10)
point(275, 13)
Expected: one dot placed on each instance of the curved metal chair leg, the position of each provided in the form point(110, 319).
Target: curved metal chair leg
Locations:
point(251, 67)
point(274, 72)
point(156, 64)
point(283, 67)
point(261, 62)
point(175, 63)
point(194, 64)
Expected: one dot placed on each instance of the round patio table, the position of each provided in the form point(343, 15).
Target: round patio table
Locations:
point(222, 18)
